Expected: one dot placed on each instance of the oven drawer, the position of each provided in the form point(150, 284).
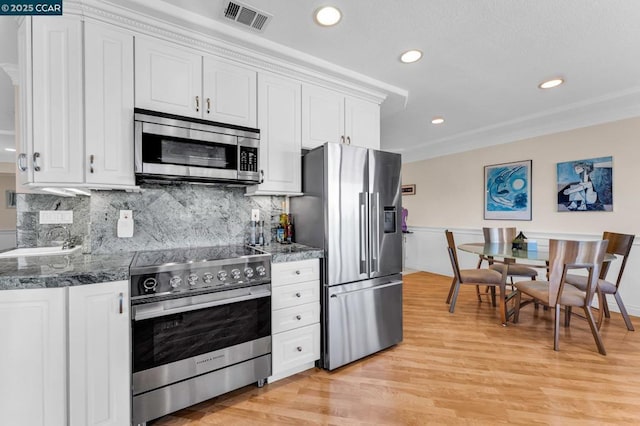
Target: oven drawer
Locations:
point(295, 272)
point(295, 347)
point(295, 317)
point(290, 295)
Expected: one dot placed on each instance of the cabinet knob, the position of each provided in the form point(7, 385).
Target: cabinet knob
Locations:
point(298, 317)
point(348, 140)
point(299, 348)
point(197, 103)
point(342, 139)
point(298, 272)
point(36, 155)
point(298, 295)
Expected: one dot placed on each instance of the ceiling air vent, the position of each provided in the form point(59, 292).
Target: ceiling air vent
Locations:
point(247, 16)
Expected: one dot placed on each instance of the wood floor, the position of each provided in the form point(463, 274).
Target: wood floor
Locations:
point(461, 368)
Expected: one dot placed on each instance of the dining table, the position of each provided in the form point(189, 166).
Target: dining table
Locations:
point(505, 253)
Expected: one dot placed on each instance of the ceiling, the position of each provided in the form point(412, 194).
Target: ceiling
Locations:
point(483, 61)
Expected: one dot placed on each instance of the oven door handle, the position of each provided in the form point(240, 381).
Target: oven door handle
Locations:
point(147, 314)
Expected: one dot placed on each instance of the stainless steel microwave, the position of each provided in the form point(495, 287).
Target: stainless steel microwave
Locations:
point(175, 148)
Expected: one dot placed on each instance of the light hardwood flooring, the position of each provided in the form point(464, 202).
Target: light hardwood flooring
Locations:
point(461, 368)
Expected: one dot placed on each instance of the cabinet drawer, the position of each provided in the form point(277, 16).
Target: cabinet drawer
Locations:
point(295, 272)
point(295, 347)
point(290, 295)
point(295, 317)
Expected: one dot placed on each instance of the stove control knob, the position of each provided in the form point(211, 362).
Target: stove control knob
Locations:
point(222, 275)
point(261, 270)
point(193, 279)
point(175, 281)
point(235, 274)
point(248, 272)
point(149, 285)
point(207, 277)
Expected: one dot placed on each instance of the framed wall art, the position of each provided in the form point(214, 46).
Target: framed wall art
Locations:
point(409, 189)
point(585, 185)
point(507, 191)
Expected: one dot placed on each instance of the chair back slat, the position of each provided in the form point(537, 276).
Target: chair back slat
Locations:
point(453, 255)
point(619, 244)
point(499, 235)
point(564, 254)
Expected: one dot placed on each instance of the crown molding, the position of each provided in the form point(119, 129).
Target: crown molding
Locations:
point(208, 36)
point(599, 110)
point(12, 72)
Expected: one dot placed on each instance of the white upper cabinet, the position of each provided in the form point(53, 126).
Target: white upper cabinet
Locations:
point(329, 116)
point(57, 100)
point(180, 81)
point(229, 92)
point(108, 64)
point(168, 78)
point(279, 124)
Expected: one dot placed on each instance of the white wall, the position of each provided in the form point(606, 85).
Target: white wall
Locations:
point(449, 194)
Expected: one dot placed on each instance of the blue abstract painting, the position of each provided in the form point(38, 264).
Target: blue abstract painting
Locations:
point(585, 185)
point(508, 191)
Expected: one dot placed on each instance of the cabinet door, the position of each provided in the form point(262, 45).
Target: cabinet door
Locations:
point(57, 100)
point(229, 92)
point(99, 351)
point(168, 78)
point(33, 364)
point(362, 123)
point(295, 347)
point(279, 123)
point(322, 116)
point(108, 62)
point(24, 107)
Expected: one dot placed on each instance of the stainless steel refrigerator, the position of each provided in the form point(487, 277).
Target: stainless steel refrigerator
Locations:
point(351, 208)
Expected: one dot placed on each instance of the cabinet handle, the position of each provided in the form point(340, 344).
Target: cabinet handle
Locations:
point(36, 155)
point(348, 140)
point(91, 158)
point(261, 176)
point(197, 103)
point(208, 105)
point(121, 302)
point(21, 162)
point(342, 139)
point(298, 317)
point(299, 348)
point(298, 295)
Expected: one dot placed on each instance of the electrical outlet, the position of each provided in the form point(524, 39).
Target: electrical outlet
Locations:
point(54, 217)
point(126, 214)
point(255, 215)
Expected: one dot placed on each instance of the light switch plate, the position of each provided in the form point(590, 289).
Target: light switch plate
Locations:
point(126, 214)
point(51, 217)
point(255, 215)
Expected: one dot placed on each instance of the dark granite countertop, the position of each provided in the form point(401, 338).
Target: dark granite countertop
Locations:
point(81, 269)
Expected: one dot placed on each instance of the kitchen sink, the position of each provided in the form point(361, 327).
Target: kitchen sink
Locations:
point(39, 251)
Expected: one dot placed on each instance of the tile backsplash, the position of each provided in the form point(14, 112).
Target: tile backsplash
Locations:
point(165, 216)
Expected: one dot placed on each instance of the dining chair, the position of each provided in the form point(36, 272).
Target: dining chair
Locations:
point(475, 277)
point(563, 257)
point(619, 244)
point(506, 236)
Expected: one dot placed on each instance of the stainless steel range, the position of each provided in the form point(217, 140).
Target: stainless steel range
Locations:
point(201, 325)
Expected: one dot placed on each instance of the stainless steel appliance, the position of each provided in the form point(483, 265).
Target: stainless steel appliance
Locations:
point(171, 147)
point(201, 326)
point(351, 208)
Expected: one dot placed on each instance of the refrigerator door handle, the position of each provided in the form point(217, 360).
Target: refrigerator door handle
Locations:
point(377, 287)
point(374, 223)
point(363, 233)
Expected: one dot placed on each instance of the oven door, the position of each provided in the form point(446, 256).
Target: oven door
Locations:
point(177, 339)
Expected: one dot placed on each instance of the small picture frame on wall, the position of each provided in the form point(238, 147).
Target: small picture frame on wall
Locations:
point(507, 191)
point(585, 185)
point(10, 199)
point(409, 189)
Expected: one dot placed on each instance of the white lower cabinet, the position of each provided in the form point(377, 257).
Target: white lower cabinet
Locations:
point(44, 348)
point(295, 317)
point(99, 354)
point(33, 363)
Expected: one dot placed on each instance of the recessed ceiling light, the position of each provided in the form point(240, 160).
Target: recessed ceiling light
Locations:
point(411, 56)
point(437, 120)
point(551, 83)
point(10, 149)
point(328, 16)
